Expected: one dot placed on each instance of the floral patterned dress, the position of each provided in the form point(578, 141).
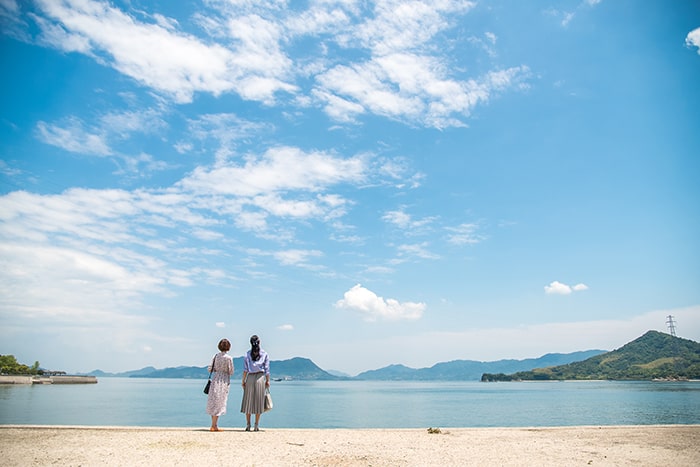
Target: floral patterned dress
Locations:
point(220, 383)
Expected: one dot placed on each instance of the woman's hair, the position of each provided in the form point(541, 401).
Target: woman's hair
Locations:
point(224, 345)
point(254, 347)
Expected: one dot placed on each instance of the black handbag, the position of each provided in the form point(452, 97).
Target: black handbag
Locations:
point(206, 388)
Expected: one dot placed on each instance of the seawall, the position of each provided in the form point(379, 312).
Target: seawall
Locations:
point(61, 379)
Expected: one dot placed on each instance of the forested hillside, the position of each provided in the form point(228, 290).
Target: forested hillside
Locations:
point(654, 355)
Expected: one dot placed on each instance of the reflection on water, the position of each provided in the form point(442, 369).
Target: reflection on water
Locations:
point(360, 404)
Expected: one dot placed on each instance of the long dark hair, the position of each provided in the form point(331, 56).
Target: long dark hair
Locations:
point(254, 347)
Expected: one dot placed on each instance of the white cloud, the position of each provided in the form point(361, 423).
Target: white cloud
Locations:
point(55, 285)
point(338, 108)
point(404, 221)
point(558, 288)
point(693, 39)
point(379, 270)
point(405, 79)
point(407, 86)
point(93, 248)
point(568, 17)
point(8, 171)
point(9, 6)
point(278, 169)
point(408, 77)
point(73, 138)
point(320, 18)
point(418, 250)
point(74, 135)
point(171, 62)
point(281, 185)
point(220, 324)
point(368, 86)
point(400, 25)
point(296, 257)
point(285, 327)
point(56, 36)
point(464, 234)
point(124, 124)
point(373, 307)
point(291, 257)
point(398, 218)
point(487, 43)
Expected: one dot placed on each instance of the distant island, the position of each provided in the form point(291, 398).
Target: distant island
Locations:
point(299, 368)
point(653, 356)
point(294, 368)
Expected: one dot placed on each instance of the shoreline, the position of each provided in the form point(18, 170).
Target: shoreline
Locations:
point(660, 445)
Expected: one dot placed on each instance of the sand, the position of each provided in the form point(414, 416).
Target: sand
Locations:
point(677, 445)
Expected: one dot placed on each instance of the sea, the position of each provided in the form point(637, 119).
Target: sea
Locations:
point(150, 402)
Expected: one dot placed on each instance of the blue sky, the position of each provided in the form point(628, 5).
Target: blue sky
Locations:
point(361, 183)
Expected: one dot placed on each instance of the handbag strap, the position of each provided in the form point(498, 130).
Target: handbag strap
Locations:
point(212, 366)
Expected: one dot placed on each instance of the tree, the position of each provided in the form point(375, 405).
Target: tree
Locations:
point(9, 365)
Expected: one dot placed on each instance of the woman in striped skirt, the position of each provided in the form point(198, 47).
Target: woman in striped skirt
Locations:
point(256, 379)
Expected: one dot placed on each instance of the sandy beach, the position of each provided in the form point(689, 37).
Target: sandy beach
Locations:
point(610, 445)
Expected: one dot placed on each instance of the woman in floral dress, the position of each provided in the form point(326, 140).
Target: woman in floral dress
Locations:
point(221, 379)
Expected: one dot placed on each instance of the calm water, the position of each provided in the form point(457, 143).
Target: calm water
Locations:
point(356, 404)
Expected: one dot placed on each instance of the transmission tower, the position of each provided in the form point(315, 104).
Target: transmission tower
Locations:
point(671, 325)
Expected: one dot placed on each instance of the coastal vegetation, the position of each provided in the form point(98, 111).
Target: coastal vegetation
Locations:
point(10, 366)
point(653, 356)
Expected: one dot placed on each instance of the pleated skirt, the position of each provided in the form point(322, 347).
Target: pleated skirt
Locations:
point(254, 394)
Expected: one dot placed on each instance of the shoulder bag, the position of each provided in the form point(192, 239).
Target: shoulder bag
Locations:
point(206, 388)
point(268, 400)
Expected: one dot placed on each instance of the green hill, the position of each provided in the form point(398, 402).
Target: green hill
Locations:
point(654, 355)
point(294, 368)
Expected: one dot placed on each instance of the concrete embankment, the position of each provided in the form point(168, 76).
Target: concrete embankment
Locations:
point(73, 379)
point(12, 379)
point(61, 379)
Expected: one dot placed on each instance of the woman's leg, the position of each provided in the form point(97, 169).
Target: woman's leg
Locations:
point(214, 420)
point(247, 422)
point(257, 421)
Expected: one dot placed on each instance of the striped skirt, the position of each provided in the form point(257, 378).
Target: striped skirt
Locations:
point(254, 394)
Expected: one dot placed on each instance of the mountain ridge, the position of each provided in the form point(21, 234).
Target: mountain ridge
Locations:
point(300, 368)
point(293, 368)
point(465, 370)
point(654, 355)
